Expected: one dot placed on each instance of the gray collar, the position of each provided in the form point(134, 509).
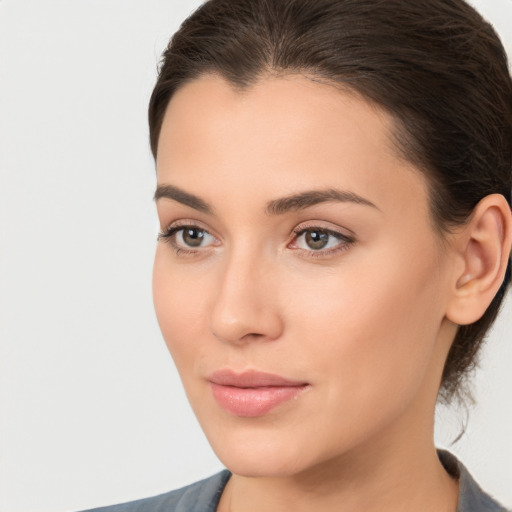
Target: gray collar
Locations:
point(471, 497)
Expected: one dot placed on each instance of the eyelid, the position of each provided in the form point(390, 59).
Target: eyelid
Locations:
point(186, 223)
point(337, 231)
point(325, 226)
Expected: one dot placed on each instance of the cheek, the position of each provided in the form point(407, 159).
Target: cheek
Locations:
point(371, 328)
point(179, 306)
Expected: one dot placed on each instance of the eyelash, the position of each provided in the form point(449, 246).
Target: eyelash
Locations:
point(345, 241)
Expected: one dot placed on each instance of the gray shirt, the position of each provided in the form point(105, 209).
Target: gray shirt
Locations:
point(204, 496)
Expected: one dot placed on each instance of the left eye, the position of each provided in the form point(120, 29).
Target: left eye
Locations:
point(315, 239)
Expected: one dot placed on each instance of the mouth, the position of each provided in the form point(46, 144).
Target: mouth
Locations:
point(252, 393)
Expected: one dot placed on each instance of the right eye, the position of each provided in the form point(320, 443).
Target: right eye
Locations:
point(187, 238)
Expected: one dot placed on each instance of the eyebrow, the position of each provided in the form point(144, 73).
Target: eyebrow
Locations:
point(310, 198)
point(175, 193)
point(293, 202)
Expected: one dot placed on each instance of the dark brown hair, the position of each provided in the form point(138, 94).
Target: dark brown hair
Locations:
point(435, 65)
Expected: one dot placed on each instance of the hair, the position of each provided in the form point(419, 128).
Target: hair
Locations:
point(436, 66)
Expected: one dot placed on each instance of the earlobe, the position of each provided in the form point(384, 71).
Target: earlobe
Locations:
point(483, 248)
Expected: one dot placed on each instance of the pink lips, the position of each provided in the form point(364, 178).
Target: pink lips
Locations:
point(252, 393)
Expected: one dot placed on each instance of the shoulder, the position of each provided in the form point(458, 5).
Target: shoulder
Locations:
point(202, 496)
point(471, 497)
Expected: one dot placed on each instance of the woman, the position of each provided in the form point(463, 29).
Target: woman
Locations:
point(334, 183)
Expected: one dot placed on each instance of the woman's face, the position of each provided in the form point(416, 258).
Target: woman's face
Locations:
point(299, 284)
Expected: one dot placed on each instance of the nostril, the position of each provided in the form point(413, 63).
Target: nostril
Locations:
point(244, 337)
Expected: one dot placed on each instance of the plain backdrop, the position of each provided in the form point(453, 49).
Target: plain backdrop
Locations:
point(91, 408)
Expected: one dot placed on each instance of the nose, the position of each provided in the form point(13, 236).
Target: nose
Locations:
point(246, 307)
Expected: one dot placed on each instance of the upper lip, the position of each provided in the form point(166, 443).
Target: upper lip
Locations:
point(251, 379)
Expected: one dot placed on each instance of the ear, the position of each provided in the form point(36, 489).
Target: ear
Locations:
point(483, 252)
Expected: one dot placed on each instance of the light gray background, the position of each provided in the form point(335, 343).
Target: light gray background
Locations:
point(91, 408)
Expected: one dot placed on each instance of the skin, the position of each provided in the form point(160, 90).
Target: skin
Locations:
point(365, 326)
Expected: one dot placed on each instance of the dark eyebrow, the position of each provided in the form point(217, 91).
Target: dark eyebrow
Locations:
point(310, 198)
point(175, 193)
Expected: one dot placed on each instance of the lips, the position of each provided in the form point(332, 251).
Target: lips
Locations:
point(252, 393)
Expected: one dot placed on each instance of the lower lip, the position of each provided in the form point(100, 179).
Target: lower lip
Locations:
point(252, 402)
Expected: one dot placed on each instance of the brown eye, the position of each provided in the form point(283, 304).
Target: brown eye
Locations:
point(316, 240)
point(190, 237)
point(193, 237)
point(319, 242)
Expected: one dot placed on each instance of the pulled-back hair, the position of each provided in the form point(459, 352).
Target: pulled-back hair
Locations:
point(435, 66)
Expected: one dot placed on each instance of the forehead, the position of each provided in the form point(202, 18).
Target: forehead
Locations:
point(280, 134)
point(272, 111)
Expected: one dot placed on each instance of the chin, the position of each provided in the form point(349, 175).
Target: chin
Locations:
point(258, 466)
point(251, 453)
